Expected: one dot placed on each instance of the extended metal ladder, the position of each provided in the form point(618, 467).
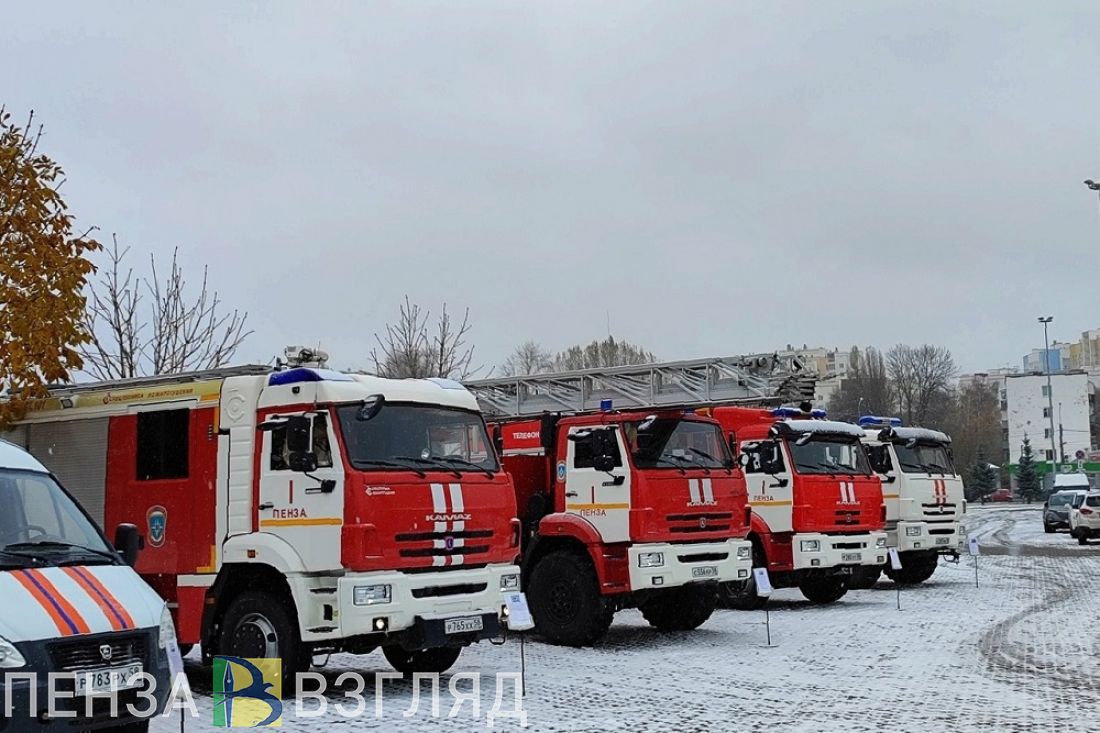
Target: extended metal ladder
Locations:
point(759, 379)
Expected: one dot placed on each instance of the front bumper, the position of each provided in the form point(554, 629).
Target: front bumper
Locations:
point(697, 562)
point(836, 550)
point(922, 536)
point(420, 602)
point(1056, 521)
point(29, 692)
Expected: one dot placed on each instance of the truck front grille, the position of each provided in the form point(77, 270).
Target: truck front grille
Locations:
point(440, 591)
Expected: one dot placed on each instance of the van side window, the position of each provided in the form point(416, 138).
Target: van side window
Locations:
point(162, 444)
point(280, 456)
point(582, 453)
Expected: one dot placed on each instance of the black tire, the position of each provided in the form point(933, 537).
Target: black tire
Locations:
point(566, 602)
point(436, 660)
point(864, 577)
point(260, 625)
point(1048, 529)
point(680, 609)
point(824, 590)
point(741, 595)
point(915, 568)
point(1082, 537)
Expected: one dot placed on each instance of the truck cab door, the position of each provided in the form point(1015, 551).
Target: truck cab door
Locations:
point(770, 494)
point(307, 511)
point(601, 497)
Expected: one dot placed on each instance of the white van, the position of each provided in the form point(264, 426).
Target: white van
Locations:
point(71, 607)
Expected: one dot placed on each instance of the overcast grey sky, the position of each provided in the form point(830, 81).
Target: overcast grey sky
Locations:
point(720, 177)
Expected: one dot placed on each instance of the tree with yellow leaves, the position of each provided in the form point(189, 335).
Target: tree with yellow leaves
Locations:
point(43, 272)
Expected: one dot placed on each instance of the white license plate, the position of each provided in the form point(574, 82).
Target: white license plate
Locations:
point(96, 681)
point(463, 625)
point(851, 557)
point(704, 572)
point(943, 540)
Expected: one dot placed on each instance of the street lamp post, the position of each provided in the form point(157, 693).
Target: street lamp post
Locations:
point(1045, 320)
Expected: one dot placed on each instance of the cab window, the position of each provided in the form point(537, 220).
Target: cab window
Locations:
point(280, 456)
point(583, 453)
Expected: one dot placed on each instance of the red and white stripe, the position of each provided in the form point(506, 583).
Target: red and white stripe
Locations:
point(447, 499)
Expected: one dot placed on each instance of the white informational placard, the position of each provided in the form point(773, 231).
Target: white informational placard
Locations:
point(763, 582)
point(895, 561)
point(519, 615)
point(972, 545)
point(175, 659)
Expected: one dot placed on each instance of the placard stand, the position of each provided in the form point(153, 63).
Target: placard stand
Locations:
point(175, 669)
point(764, 590)
point(975, 550)
point(895, 564)
point(521, 621)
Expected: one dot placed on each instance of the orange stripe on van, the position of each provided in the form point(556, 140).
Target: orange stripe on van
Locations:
point(112, 609)
point(64, 628)
point(67, 610)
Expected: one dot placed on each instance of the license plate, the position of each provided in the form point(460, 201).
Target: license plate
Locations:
point(704, 572)
point(851, 557)
point(943, 540)
point(463, 625)
point(96, 681)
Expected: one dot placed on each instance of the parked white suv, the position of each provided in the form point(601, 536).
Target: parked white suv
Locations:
point(1084, 517)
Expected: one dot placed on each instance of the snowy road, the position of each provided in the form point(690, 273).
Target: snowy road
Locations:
point(1015, 654)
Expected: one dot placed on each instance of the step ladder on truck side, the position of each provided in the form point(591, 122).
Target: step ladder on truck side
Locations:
point(628, 497)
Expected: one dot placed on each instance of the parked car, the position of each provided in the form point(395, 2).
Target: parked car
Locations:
point(1001, 495)
point(1084, 517)
point(1056, 509)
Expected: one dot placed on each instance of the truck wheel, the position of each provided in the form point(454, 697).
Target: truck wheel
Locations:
point(916, 567)
point(741, 595)
point(258, 625)
point(566, 602)
point(436, 660)
point(824, 590)
point(680, 609)
point(865, 577)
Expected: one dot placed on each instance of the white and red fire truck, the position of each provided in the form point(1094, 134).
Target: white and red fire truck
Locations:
point(817, 507)
point(299, 511)
point(642, 507)
point(923, 494)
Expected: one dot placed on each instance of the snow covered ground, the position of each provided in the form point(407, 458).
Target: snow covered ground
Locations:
point(1018, 653)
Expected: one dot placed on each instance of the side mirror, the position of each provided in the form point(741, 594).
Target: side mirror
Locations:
point(731, 441)
point(771, 461)
point(370, 407)
point(603, 463)
point(303, 462)
point(128, 543)
point(298, 439)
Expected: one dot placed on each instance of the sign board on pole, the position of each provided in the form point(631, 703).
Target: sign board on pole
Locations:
point(519, 615)
point(763, 582)
point(175, 659)
point(895, 561)
point(972, 544)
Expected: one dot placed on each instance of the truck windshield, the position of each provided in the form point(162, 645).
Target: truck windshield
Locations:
point(675, 443)
point(39, 524)
point(827, 454)
point(417, 436)
point(924, 458)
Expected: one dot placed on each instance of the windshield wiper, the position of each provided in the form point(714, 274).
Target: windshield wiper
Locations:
point(61, 545)
point(5, 562)
point(709, 457)
point(391, 464)
point(463, 462)
point(942, 470)
point(429, 462)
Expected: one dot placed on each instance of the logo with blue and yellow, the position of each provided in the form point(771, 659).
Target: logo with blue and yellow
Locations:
point(247, 692)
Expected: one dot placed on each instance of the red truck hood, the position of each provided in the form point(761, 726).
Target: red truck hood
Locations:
point(688, 507)
point(402, 522)
point(840, 503)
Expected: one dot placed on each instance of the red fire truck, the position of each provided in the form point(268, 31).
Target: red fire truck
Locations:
point(818, 513)
point(625, 509)
point(645, 507)
point(299, 511)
